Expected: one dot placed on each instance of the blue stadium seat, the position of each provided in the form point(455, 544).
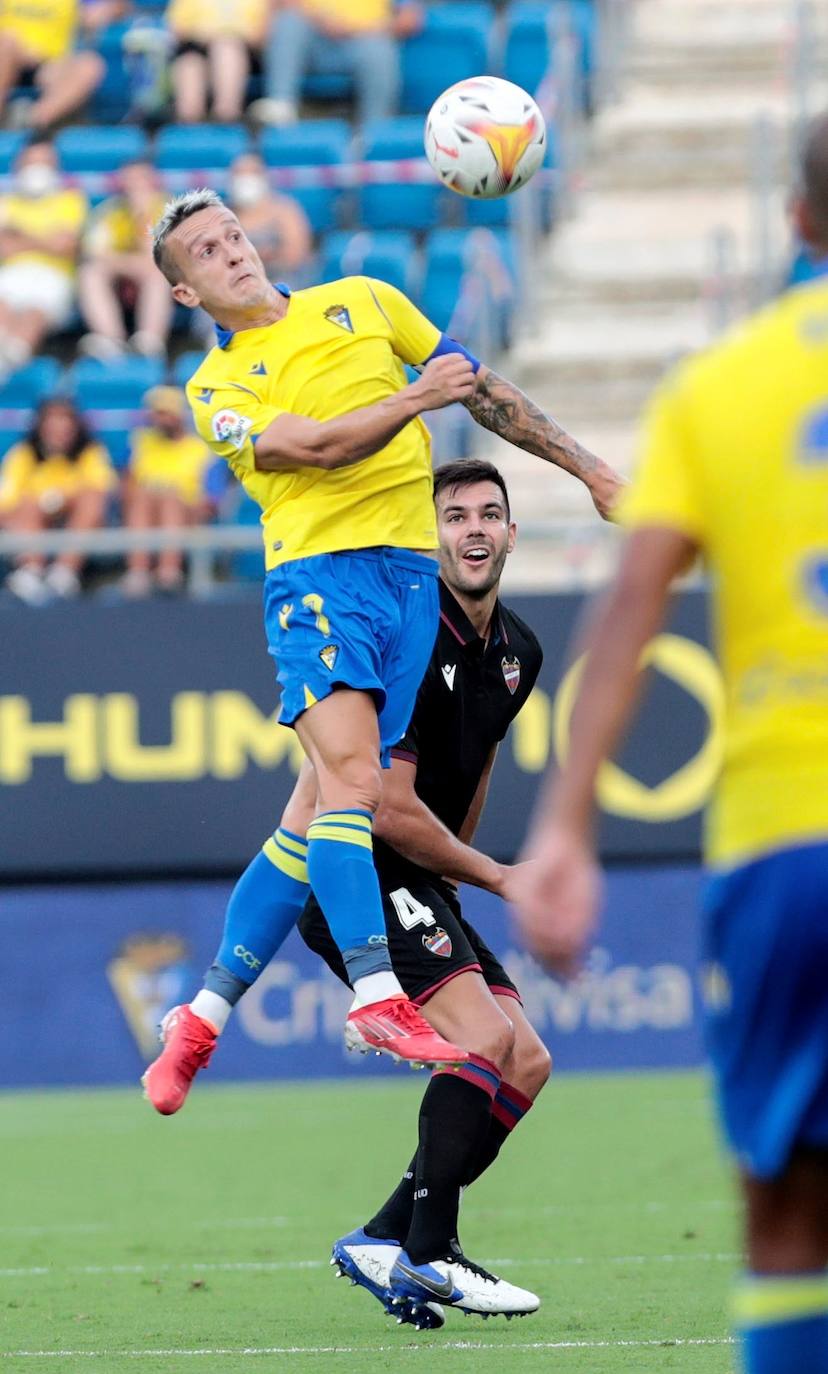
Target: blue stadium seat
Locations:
point(199, 147)
point(26, 388)
point(87, 148)
point(113, 385)
point(398, 205)
point(186, 364)
point(11, 143)
point(455, 43)
point(449, 254)
point(531, 26)
point(314, 143)
point(389, 255)
point(111, 101)
point(113, 436)
point(327, 86)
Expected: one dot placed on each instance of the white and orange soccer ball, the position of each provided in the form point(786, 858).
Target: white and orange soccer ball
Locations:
point(485, 137)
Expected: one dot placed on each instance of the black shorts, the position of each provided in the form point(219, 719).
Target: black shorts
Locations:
point(188, 45)
point(429, 940)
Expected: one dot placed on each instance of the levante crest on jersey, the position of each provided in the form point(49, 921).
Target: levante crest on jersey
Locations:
point(438, 942)
point(341, 315)
point(511, 673)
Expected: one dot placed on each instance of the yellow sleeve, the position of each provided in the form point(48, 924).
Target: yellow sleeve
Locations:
point(96, 468)
point(14, 470)
point(666, 488)
point(71, 212)
point(229, 419)
point(414, 337)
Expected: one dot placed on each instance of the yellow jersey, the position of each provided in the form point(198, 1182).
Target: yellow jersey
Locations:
point(115, 228)
point(339, 347)
point(45, 29)
point(40, 216)
point(55, 480)
point(735, 456)
point(356, 14)
point(169, 464)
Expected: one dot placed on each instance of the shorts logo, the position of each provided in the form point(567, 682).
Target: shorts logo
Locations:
point(438, 942)
point(511, 673)
point(341, 315)
point(231, 428)
point(329, 655)
point(284, 615)
point(205, 395)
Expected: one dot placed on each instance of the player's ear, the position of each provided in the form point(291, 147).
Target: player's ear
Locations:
point(185, 295)
point(510, 542)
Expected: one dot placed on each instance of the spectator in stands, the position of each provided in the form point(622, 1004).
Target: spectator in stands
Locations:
point(58, 474)
point(118, 274)
point(40, 227)
point(164, 488)
point(218, 43)
point(277, 226)
point(37, 50)
point(357, 38)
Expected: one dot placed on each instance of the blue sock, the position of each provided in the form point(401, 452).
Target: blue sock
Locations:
point(344, 881)
point(264, 907)
point(783, 1323)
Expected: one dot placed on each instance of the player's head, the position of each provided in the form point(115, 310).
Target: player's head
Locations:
point(206, 256)
point(474, 525)
point(810, 201)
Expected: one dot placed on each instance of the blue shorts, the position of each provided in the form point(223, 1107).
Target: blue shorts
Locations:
point(766, 992)
point(365, 619)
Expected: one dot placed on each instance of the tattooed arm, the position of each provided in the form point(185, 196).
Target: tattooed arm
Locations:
point(503, 408)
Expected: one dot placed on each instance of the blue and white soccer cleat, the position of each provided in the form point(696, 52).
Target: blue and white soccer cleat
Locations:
point(368, 1262)
point(457, 1282)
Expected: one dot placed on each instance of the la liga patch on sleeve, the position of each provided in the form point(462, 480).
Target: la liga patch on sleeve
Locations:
point(230, 428)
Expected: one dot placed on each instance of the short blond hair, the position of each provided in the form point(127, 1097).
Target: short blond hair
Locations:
point(174, 213)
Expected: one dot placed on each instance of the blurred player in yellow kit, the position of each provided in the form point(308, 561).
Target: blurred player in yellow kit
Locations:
point(735, 466)
point(306, 398)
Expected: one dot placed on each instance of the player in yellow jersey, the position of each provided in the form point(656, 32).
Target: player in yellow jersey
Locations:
point(306, 397)
point(735, 466)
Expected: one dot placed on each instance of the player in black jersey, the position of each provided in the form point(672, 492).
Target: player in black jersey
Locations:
point(483, 667)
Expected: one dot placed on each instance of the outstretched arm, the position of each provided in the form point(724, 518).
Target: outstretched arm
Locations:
point(503, 408)
point(292, 441)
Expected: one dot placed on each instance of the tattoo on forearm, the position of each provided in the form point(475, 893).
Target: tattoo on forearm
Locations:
point(503, 408)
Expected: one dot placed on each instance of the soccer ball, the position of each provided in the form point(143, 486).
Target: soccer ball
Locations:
point(485, 137)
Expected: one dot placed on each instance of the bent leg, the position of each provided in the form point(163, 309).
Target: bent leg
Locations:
point(66, 83)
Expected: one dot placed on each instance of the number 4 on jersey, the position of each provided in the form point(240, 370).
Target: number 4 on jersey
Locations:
point(411, 913)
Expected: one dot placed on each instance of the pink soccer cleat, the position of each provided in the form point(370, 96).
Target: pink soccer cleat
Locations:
point(189, 1042)
point(394, 1026)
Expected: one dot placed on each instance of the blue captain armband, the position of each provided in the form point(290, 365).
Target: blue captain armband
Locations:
point(447, 345)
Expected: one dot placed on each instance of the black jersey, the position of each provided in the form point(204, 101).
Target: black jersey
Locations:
point(471, 693)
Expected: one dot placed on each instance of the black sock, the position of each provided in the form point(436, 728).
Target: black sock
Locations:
point(393, 1219)
point(454, 1116)
point(508, 1110)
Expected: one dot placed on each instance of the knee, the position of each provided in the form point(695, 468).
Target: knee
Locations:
point(351, 782)
point(530, 1067)
point(493, 1038)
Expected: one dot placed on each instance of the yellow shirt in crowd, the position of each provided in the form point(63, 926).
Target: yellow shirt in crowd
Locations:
point(170, 464)
point(736, 456)
point(339, 347)
point(115, 228)
point(357, 14)
point(45, 29)
point(56, 480)
point(201, 20)
point(62, 211)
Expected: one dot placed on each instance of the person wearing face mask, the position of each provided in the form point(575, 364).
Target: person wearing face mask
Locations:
point(117, 275)
point(57, 475)
point(164, 488)
point(276, 225)
point(40, 227)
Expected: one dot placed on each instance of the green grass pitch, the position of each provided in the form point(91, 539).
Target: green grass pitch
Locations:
point(201, 1242)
